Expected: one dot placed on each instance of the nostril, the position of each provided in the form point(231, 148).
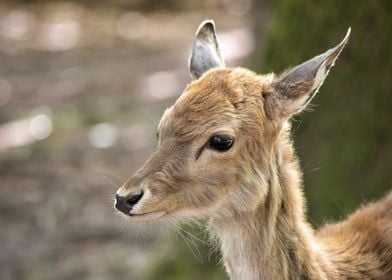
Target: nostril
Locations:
point(121, 204)
point(134, 198)
point(126, 203)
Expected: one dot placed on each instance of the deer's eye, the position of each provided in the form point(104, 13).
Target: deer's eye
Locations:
point(221, 142)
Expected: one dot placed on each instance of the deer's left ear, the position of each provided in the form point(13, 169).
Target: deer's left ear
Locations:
point(294, 89)
point(206, 53)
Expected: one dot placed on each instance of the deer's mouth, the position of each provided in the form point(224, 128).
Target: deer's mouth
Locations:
point(147, 216)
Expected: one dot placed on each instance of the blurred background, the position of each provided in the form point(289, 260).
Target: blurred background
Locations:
point(83, 85)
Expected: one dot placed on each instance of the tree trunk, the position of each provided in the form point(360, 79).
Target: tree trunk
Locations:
point(345, 144)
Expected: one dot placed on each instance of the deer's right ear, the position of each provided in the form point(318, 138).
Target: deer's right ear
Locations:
point(205, 52)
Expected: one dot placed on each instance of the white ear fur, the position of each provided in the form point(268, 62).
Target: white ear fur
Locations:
point(205, 52)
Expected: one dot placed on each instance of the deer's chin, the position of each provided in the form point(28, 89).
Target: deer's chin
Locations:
point(146, 216)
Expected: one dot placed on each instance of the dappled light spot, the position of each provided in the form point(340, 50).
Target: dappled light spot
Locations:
point(102, 135)
point(236, 44)
point(40, 126)
point(16, 25)
point(162, 85)
point(59, 35)
point(26, 131)
point(14, 134)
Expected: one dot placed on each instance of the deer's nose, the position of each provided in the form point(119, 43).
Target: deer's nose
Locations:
point(126, 203)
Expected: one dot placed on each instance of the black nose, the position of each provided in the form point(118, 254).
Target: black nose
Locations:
point(125, 203)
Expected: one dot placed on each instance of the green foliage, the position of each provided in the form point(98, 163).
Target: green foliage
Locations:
point(345, 144)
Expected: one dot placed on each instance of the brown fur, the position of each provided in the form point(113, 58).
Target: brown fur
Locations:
point(252, 194)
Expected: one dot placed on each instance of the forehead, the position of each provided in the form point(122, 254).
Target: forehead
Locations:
point(216, 100)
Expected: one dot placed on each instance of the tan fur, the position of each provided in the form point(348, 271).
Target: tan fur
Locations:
point(252, 194)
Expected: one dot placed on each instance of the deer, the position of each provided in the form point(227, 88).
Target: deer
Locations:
point(225, 155)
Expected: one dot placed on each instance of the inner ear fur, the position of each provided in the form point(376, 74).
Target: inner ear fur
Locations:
point(206, 52)
point(291, 91)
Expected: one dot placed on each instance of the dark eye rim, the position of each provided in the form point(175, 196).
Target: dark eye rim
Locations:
point(207, 145)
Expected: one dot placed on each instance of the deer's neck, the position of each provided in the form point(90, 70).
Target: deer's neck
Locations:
point(274, 241)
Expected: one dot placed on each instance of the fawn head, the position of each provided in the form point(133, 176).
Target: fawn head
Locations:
point(218, 138)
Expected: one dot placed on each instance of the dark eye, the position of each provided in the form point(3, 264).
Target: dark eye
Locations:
point(221, 142)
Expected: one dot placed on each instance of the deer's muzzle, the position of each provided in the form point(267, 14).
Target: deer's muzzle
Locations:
point(126, 203)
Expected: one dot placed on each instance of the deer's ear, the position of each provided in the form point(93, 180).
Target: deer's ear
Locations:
point(293, 90)
point(205, 52)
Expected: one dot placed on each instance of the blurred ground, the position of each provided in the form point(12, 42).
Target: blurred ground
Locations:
point(83, 85)
point(81, 91)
